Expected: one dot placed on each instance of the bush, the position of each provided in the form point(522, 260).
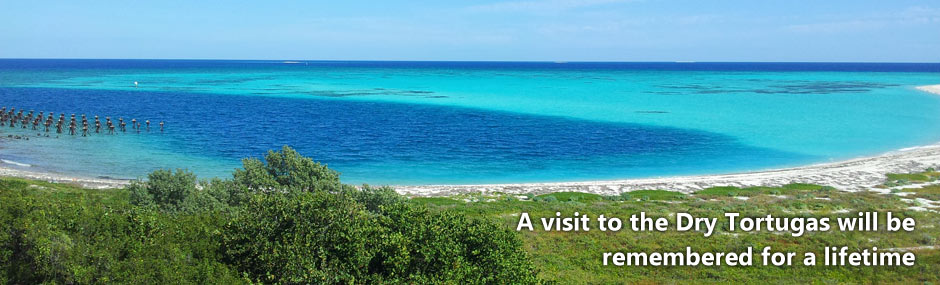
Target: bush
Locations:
point(286, 170)
point(69, 236)
point(422, 247)
point(373, 198)
point(285, 220)
point(164, 189)
point(300, 238)
point(625, 196)
point(327, 238)
point(225, 191)
point(302, 226)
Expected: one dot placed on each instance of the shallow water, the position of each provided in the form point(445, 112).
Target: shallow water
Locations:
point(451, 122)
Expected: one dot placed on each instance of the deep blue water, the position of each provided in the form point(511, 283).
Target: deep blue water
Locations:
point(110, 64)
point(470, 143)
point(471, 122)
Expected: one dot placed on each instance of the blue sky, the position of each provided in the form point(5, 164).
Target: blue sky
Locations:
point(570, 30)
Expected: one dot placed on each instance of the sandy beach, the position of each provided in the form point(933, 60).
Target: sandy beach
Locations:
point(93, 183)
point(850, 175)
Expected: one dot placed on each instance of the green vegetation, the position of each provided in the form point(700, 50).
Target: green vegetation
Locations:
point(899, 179)
point(57, 233)
point(286, 171)
point(436, 201)
point(568, 197)
point(915, 177)
point(930, 192)
point(789, 189)
point(284, 220)
point(287, 219)
point(649, 195)
point(575, 258)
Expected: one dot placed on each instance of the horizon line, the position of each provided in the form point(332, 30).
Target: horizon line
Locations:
point(480, 61)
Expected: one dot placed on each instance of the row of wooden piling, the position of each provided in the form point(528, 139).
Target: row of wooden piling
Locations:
point(35, 121)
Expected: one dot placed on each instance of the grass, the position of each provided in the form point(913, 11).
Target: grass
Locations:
point(806, 187)
point(109, 196)
point(789, 189)
point(569, 197)
point(656, 195)
point(436, 201)
point(576, 257)
point(899, 179)
point(931, 192)
point(914, 177)
point(723, 191)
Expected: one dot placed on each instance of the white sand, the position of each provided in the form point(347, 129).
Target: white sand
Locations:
point(935, 89)
point(851, 175)
point(94, 183)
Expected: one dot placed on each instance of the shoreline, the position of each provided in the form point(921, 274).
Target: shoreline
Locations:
point(85, 182)
point(848, 175)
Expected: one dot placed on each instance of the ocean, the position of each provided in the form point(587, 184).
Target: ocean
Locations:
point(416, 123)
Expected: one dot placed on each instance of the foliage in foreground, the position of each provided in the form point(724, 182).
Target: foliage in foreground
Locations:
point(265, 227)
point(55, 233)
point(575, 258)
point(284, 220)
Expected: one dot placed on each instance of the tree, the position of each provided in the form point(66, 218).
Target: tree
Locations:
point(324, 237)
point(300, 238)
point(286, 170)
point(374, 198)
point(420, 246)
point(164, 188)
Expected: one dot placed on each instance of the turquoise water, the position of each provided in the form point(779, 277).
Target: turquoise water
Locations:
point(426, 122)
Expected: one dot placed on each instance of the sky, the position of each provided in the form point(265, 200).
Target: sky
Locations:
point(494, 30)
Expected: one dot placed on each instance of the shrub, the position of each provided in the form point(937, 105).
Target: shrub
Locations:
point(77, 236)
point(419, 246)
point(373, 198)
point(328, 238)
point(300, 238)
point(926, 239)
point(625, 196)
point(286, 170)
point(164, 189)
point(286, 220)
point(225, 191)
